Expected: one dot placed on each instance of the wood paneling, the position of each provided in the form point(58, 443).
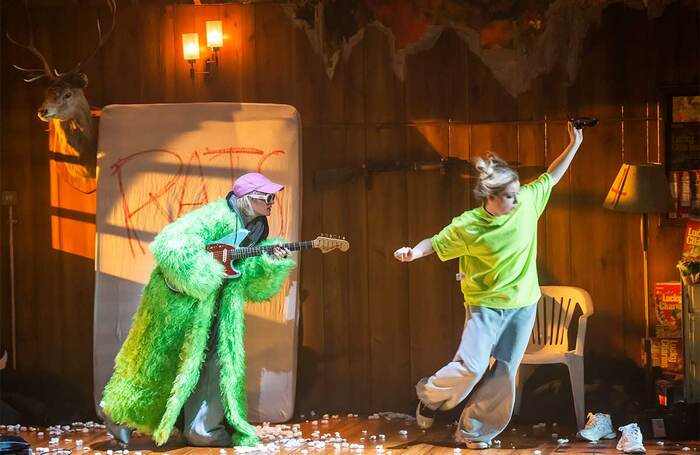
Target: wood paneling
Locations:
point(370, 326)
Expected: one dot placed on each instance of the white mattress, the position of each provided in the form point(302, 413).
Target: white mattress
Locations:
point(154, 161)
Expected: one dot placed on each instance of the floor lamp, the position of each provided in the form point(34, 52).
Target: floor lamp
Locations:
point(641, 188)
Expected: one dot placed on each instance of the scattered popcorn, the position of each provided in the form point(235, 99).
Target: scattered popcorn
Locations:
point(659, 443)
point(457, 450)
point(686, 449)
point(497, 442)
point(562, 441)
point(537, 452)
point(382, 437)
point(403, 432)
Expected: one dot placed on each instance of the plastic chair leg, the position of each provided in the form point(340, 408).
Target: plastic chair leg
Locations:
point(575, 366)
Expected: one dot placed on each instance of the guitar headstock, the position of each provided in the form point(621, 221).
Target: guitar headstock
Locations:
point(330, 243)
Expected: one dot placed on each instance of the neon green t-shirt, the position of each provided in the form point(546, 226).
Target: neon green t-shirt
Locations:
point(498, 254)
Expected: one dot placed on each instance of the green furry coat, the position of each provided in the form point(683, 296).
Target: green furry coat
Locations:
point(158, 365)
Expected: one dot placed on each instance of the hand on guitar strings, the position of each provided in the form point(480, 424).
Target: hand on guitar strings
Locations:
point(279, 252)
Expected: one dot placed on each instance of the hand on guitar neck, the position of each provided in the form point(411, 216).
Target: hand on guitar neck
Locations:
point(227, 251)
point(279, 252)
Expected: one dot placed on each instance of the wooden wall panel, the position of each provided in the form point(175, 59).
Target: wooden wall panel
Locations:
point(556, 267)
point(428, 211)
point(311, 387)
point(388, 285)
point(370, 326)
point(358, 312)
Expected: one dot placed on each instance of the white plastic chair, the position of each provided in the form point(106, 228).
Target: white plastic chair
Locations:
point(550, 339)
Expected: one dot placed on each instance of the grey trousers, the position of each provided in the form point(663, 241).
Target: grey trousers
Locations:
point(204, 411)
point(488, 332)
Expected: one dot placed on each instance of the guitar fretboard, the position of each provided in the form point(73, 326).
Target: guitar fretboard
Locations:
point(247, 252)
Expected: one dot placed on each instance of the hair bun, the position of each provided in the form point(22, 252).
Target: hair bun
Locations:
point(484, 167)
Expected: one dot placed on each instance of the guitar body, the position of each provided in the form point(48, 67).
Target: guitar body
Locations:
point(223, 249)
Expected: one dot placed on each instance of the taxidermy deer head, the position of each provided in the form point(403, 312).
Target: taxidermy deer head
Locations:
point(64, 100)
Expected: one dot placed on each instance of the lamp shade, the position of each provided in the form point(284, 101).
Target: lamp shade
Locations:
point(190, 46)
point(215, 37)
point(639, 188)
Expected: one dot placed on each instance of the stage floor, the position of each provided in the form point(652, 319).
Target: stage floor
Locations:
point(400, 436)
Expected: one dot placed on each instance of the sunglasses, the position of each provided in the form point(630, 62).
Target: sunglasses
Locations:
point(268, 198)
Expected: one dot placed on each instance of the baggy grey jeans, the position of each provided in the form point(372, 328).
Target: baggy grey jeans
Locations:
point(488, 332)
point(204, 410)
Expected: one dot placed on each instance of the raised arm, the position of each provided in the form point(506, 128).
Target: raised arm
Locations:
point(408, 254)
point(559, 166)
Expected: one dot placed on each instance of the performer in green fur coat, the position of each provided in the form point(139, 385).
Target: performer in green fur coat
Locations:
point(185, 350)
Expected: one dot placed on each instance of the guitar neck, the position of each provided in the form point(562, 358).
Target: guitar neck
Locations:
point(247, 252)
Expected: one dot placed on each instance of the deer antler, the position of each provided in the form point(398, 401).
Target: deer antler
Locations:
point(101, 39)
point(34, 74)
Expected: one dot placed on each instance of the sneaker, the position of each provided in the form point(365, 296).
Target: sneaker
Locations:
point(460, 438)
point(478, 445)
point(424, 416)
point(598, 426)
point(631, 439)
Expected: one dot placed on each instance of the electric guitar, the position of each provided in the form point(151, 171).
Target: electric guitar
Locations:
point(227, 251)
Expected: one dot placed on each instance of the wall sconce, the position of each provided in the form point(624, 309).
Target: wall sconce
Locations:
point(190, 49)
point(215, 38)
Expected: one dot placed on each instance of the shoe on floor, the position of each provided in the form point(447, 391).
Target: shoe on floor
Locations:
point(598, 426)
point(425, 417)
point(478, 445)
point(461, 438)
point(631, 439)
point(120, 433)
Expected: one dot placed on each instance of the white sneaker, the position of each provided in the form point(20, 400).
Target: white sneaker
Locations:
point(478, 445)
point(424, 416)
point(631, 439)
point(598, 426)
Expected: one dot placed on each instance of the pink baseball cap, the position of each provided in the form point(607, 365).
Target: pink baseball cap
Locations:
point(247, 183)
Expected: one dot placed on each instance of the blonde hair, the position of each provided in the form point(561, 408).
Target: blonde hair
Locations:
point(495, 175)
point(245, 207)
